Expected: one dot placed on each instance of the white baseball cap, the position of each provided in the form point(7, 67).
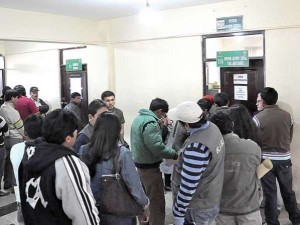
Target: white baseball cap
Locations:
point(188, 112)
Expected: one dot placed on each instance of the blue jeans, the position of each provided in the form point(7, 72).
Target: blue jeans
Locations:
point(282, 170)
point(201, 216)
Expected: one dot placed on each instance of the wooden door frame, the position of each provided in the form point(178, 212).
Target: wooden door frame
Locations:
point(85, 81)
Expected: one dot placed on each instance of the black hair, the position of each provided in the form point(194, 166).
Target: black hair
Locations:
point(59, 124)
point(107, 94)
point(104, 141)
point(223, 122)
point(221, 99)
point(11, 93)
point(95, 105)
point(205, 104)
point(33, 126)
point(75, 94)
point(159, 103)
point(5, 88)
point(20, 89)
point(269, 95)
point(243, 124)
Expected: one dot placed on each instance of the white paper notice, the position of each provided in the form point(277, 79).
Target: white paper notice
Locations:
point(240, 92)
point(75, 84)
point(240, 78)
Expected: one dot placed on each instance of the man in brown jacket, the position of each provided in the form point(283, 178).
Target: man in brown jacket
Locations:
point(276, 132)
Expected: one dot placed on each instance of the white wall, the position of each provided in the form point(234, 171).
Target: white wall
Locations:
point(282, 69)
point(37, 64)
point(27, 25)
point(170, 69)
point(36, 69)
point(201, 19)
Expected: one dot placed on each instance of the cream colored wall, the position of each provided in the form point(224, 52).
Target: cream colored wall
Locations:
point(26, 25)
point(170, 69)
point(201, 19)
point(37, 64)
point(283, 73)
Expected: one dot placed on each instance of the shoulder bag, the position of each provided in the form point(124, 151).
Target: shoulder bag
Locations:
point(115, 197)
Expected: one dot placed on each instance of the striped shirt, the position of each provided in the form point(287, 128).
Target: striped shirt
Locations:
point(196, 157)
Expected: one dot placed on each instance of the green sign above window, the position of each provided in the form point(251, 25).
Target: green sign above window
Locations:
point(73, 64)
point(229, 23)
point(233, 59)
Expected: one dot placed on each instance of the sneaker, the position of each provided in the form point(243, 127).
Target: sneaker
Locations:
point(4, 193)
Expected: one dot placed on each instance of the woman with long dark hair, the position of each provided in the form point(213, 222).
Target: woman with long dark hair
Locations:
point(244, 125)
point(99, 156)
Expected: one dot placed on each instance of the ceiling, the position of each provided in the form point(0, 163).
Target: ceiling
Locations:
point(99, 9)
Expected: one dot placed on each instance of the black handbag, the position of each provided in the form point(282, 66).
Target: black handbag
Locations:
point(115, 197)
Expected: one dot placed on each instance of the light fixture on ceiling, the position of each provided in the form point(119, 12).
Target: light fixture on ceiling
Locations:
point(148, 15)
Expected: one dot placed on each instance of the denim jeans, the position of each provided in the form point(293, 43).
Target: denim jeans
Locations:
point(282, 170)
point(201, 216)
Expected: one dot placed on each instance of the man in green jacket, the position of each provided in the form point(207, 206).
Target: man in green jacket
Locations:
point(148, 150)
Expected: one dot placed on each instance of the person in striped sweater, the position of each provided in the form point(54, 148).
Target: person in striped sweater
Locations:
point(198, 176)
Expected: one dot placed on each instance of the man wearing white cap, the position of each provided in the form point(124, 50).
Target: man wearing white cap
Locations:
point(199, 173)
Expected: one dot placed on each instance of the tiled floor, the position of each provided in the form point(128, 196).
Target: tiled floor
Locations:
point(10, 219)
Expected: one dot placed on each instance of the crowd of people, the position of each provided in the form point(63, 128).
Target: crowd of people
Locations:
point(55, 163)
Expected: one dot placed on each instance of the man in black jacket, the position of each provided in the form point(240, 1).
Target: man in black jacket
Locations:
point(42, 106)
point(54, 183)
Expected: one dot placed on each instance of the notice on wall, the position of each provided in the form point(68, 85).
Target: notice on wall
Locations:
point(240, 78)
point(75, 85)
point(241, 93)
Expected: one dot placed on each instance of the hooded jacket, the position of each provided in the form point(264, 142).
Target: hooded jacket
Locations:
point(55, 187)
point(146, 140)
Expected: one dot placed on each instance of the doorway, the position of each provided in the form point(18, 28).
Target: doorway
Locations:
point(74, 81)
point(242, 84)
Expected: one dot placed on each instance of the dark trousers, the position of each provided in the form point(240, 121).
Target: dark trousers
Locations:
point(2, 161)
point(282, 170)
point(9, 179)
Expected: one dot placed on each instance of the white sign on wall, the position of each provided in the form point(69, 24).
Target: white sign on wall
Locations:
point(240, 78)
point(241, 93)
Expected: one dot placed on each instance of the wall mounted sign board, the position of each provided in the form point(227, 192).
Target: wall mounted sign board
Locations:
point(241, 93)
point(233, 58)
point(73, 65)
point(229, 23)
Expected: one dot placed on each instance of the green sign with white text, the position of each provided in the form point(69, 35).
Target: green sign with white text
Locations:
point(73, 64)
point(233, 59)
